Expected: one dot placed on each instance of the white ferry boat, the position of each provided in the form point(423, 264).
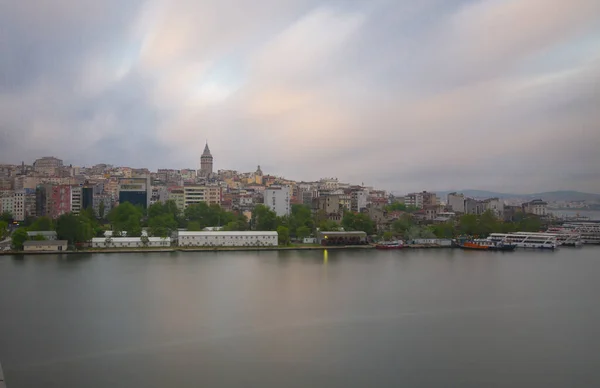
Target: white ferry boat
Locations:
point(589, 231)
point(566, 237)
point(527, 240)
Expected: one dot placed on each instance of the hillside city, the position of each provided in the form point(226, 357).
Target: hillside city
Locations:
point(135, 201)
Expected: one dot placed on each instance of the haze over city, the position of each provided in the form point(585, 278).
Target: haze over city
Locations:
point(404, 95)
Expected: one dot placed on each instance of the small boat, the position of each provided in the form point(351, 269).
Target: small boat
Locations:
point(389, 245)
point(487, 245)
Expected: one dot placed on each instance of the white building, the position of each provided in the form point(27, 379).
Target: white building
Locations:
point(456, 202)
point(359, 200)
point(226, 239)
point(496, 206)
point(277, 198)
point(45, 246)
point(75, 199)
point(130, 242)
point(537, 207)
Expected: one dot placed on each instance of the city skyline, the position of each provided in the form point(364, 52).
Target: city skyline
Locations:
point(478, 192)
point(437, 95)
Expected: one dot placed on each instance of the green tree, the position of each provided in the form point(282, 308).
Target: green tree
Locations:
point(508, 227)
point(359, 222)
point(121, 216)
point(127, 217)
point(530, 223)
point(443, 230)
point(468, 225)
point(303, 231)
point(396, 206)
point(488, 223)
point(39, 237)
point(300, 217)
point(162, 225)
point(329, 226)
point(145, 241)
point(388, 236)
point(19, 237)
point(6, 217)
point(283, 235)
point(402, 224)
point(133, 227)
point(101, 210)
point(239, 223)
point(3, 229)
point(264, 218)
point(41, 224)
point(194, 226)
point(416, 232)
point(74, 229)
point(206, 215)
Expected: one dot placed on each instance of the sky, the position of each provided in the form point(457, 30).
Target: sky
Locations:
point(404, 95)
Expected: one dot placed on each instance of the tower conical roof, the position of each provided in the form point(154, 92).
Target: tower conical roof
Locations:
point(206, 151)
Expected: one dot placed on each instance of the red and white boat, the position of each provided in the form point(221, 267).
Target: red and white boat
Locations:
point(390, 245)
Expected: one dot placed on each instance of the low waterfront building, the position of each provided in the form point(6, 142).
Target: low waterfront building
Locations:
point(131, 242)
point(226, 239)
point(45, 246)
point(342, 238)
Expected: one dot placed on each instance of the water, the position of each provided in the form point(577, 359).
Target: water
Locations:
point(591, 214)
point(438, 318)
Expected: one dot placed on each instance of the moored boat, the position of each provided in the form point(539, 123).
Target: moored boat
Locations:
point(526, 239)
point(389, 245)
point(487, 245)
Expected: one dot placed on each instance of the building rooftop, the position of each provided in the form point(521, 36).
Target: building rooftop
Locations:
point(353, 233)
point(232, 233)
point(42, 233)
point(129, 239)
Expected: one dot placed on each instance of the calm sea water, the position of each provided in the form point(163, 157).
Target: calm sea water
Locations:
point(591, 214)
point(439, 318)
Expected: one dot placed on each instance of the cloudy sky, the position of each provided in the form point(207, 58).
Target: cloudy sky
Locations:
point(402, 94)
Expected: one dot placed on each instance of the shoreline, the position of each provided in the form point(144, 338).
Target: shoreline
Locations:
point(214, 249)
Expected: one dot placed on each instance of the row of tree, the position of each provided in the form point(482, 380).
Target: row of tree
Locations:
point(468, 224)
point(75, 229)
point(162, 219)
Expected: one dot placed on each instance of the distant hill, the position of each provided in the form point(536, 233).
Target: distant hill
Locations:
point(551, 196)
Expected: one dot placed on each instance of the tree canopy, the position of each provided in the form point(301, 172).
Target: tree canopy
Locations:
point(283, 235)
point(41, 224)
point(208, 215)
point(163, 218)
point(6, 217)
point(359, 222)
point(126, 218)
point(19, 236)
point(74, 229)
point(264, 218)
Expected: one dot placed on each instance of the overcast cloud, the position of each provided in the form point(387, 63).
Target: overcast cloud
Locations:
point(401, 94)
